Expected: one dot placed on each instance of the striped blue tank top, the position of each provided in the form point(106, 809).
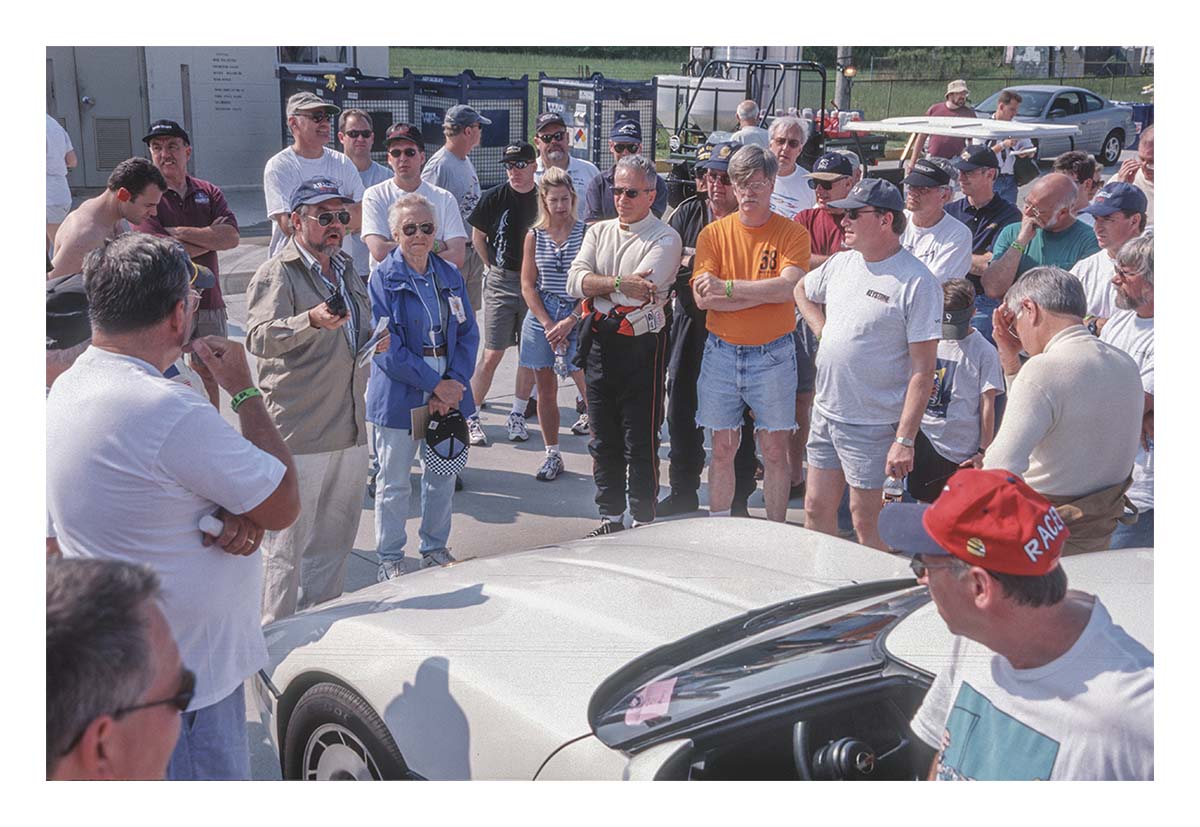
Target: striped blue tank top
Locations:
point(553, 261)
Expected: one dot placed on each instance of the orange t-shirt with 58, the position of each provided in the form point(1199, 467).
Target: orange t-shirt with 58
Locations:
point(728, 250)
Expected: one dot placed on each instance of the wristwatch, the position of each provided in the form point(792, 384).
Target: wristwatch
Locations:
point(905, 441)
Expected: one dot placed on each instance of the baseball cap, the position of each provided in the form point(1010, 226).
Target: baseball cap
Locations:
point(547, 119)
point(463, 115)
point(959, 85)
point(626, 129)
point(303, 101)
point(976, 156)
point(956, 323)
point(721, 155)
point(925, 173)
point(67, 322)
point(404, 132)
point(316, 190)
point(871, 192)
point(831, 166)
point(1116, 196)
point(164, 128)
point(987, 518)
point(446, 443)
point(703, 154)
point(201, 277)
point(518, 152)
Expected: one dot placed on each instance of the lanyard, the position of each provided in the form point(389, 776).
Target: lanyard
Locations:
point(434, 327)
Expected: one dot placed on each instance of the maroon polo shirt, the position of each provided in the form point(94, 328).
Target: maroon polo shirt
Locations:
point(824, 228)
point(200, 206)
point(940, 146)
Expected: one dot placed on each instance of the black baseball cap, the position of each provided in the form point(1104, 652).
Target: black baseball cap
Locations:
point(404, 132)
point(976, 156)
point(164, 128)
point(871, 192)
point(547, 119)
point(926, 173)
point(518, 152)
point(67, 322)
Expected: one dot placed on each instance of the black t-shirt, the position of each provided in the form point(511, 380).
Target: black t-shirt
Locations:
point(689, 218)
point(505, 216)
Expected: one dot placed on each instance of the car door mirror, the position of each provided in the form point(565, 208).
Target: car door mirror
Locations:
point(670, 761)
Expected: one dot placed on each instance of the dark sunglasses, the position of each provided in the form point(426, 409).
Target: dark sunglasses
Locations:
point(360, 133)
point(854, 212)
point(813, 183)
point(319, 117)
point(180, 700)
point(516, 164)
point(327, 218)
point(628, 192)
point(551, 137)
point(719, 178)
point(792, 143)
point(626, 147)
point(407, 152)
point(426, 228)
point(920, 568)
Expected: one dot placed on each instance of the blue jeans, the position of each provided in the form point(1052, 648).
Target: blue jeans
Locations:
point(1006, 188)
point(396, 450)
point(212, 743)
point(1138, 535)
point(535, 351)
point(982, 320)
point(759, 377)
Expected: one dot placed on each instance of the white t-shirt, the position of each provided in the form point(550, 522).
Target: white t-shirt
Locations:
point(945, 248)
point(374, 174)
point(873, 311)
point(58, 144)
point(1095, 273)
point(1135, 336)
point(793, 194)
point(1087, 715)
point(581, 173)
point(379, 198)
point(133, 461)
point(1007, 158)
point(966, 368)
point(286, 170)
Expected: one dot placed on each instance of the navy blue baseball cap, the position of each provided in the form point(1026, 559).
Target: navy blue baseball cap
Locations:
point(721, 153)
point(872, 192)
point(832, 166)
point(1114, 197)
point(627, 130)
point(925, 173)
point(976, 156)
point(316, 190)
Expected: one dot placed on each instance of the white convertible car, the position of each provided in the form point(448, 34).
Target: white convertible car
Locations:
point(695, 649)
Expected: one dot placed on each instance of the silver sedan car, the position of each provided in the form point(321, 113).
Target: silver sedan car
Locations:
point(1105, 127)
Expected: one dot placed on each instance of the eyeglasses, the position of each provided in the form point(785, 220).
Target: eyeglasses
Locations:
point(1125, 275)
point(551, 137)
point(407, 152)
point(327, 218)
point(180, 700)
point(426, 228)
point(318, 117)
point(753, 186)
point(628, 192)
point(516, 164)
point(854, 212)
point(360, 133)
point(619, 148)
point(791, 143)
point(813, 183)
point(719, 178)
point(1012, 327)
point(920, 568)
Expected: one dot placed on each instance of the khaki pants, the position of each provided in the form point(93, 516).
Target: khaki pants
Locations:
point(472, 273)
point(1093, 518)
point(309, 556)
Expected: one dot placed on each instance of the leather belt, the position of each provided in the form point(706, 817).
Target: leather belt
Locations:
point(440, 350)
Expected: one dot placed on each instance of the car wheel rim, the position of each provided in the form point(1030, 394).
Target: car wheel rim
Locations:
point(1112, 150)
point(334, 753)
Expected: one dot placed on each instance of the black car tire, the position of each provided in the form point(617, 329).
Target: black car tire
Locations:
point(1110, 150)
point(329, 716)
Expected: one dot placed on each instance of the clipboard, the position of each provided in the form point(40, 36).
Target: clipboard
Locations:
point(420, 421)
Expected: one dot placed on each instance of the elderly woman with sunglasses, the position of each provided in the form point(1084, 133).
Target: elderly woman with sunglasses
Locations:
point(430, 359)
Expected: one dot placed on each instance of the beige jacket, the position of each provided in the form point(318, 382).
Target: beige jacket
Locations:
point(313, 390)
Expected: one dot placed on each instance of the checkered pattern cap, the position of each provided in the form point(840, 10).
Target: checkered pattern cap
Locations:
point(446, 443)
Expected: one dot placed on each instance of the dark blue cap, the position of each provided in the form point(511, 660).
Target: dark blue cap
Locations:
point(721, 153)
point(1114, 197)
point(832, 166)
point(627, 130)
point(976, 156)
point(316, 190)
point(871, 192)
point(925, 173)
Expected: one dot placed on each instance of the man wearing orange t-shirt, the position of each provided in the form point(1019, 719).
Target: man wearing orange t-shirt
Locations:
point(746, 267)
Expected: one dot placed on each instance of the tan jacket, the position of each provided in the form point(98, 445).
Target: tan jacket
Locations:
point(1093, 518)
point(313, 390)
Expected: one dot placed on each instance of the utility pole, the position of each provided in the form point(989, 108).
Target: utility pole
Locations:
point(841, 89)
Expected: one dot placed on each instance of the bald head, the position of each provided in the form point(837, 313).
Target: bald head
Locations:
point(1053, 196)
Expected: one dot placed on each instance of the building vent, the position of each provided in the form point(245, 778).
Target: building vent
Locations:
point(113, 142)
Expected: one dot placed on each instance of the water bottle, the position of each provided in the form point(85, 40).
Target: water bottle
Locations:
point(893, 490)
point(560, 362)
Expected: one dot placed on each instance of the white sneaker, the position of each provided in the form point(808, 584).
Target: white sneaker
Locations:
point(582, 425)
point(551, 468)
point(437, 557)
point(389, 570)
point(517, 432)
point(475, 431)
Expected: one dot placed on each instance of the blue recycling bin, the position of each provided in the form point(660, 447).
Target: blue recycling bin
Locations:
point(1143, 116)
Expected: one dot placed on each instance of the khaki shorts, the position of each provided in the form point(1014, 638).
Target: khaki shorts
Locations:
point(472, 273)
point(212, 322)
point(504, 309)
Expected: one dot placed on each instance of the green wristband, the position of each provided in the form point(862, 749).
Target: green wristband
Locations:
point(1018, 246)
point(729, 288)
point(239, 398)
point(617, 285)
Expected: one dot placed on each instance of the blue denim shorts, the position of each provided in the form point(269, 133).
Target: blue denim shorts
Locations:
point(858, 451)
point(535, 351)
point(759, 377)
point(806, 358)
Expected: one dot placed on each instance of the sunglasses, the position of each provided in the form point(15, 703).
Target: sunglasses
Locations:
point(407, 152)
point(426, 228)
point(516, 164)
point(327, 218)
point(920, 568)
point(180, 700)
point(628, 192)
point(319, 117)
point(551, 137)
point(360, 133)
point(854, 212)
point(619, 148)
point(790, 143)
point(719, 178)
point(813, 184)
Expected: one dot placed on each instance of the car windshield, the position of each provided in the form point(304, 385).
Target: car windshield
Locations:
point(1031, 106)
point(759, 656)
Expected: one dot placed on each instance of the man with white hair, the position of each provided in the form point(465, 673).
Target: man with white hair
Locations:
point(792, 192)
point(750, 132)
point(941, 242)
point(1074, 413)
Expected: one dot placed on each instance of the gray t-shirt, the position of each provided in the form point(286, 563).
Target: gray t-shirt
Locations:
point(966, 368)
point(873, 311)
point(376, 173)
point(457, 175)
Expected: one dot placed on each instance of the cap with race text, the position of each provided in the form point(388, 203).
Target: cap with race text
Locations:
point(164, 128)
point(721, 155)
point(871, 192)
point(988, 518)
point(304, 101)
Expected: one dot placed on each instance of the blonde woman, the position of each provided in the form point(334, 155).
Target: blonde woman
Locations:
point(548, 334)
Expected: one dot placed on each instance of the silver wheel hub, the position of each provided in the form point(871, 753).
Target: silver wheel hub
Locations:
point(334, 753)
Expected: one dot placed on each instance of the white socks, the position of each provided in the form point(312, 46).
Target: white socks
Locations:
point(519, 406)
point(552, 450)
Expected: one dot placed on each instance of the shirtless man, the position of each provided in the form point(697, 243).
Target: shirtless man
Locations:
point(134, 190)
